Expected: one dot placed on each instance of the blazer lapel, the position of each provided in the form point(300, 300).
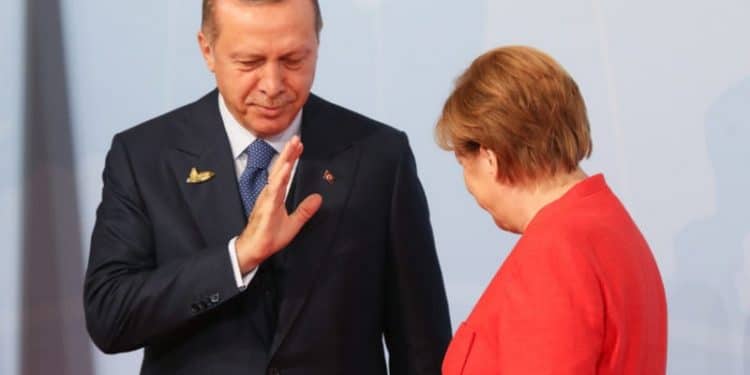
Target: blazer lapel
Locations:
point(215, 204)
point(327, 167)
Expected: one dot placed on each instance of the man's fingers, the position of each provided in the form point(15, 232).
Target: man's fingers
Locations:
point(289, 154)
point(281, 172)
point(279, 161)
point(305, 211)
point(277, 184)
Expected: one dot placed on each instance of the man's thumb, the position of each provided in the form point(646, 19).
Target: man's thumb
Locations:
point(306, 210)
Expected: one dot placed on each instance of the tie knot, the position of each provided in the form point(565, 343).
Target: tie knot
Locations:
point(259, 154)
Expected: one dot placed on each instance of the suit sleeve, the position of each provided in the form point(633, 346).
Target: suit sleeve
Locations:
point(550, 313)
point(130, 298)
point(417, 326)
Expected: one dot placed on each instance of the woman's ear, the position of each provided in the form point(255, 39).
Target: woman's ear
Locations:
point(490, 161)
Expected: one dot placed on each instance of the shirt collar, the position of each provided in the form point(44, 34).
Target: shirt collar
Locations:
point(240, 137)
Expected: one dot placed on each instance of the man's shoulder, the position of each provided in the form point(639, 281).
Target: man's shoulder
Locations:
point(160, 129)
point(347, 123)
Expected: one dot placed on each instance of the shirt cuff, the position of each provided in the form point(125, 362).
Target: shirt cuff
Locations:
point(242, 280)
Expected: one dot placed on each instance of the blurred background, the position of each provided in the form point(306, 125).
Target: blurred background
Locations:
point(667, 84)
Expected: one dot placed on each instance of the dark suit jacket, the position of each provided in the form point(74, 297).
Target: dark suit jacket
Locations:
point(363, 269)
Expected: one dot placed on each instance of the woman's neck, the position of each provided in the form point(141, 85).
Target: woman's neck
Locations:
point(540, 194)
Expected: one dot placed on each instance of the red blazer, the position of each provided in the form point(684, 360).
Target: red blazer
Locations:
point(580, 293)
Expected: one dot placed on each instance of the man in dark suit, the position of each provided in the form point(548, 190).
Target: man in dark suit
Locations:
point(195, 257)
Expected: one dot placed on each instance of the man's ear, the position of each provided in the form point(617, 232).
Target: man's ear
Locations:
point(207, 50)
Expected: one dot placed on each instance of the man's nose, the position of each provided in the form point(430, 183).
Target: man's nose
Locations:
point(272, 81)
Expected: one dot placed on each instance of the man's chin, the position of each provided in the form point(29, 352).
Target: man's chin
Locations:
point(267, 127)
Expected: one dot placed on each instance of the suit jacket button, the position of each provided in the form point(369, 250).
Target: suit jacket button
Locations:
point(215, 298)
point(274, 371)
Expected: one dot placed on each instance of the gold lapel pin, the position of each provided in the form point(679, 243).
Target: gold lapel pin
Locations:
point(329, 177)
point(196, 177)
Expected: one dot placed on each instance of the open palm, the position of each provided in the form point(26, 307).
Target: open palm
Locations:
point(270, 227)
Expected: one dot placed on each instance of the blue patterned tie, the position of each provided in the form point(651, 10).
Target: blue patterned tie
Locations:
point(255, 176)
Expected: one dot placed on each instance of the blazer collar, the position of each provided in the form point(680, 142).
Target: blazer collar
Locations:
point(322, 131)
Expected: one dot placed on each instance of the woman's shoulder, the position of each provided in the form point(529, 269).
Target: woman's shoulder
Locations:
point(554, 257)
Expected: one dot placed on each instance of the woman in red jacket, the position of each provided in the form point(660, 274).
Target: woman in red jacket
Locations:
point(580, 293)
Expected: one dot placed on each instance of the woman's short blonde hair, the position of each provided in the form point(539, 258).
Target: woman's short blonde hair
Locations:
point(521, 104)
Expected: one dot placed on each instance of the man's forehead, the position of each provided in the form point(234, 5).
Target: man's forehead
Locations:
point(244, 6)
point(283, 18)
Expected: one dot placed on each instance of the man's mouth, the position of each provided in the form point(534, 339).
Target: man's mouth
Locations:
point(269, 111)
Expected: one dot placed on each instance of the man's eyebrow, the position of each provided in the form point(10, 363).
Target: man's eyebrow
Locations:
point(244, 56)
point(297, 52)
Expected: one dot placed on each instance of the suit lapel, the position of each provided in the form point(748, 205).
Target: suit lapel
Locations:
point(327, 167)
point(202, 143)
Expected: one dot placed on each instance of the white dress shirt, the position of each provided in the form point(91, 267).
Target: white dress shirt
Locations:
point(239, 139)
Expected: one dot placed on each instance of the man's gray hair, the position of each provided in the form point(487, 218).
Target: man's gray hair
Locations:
point(208, 23)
